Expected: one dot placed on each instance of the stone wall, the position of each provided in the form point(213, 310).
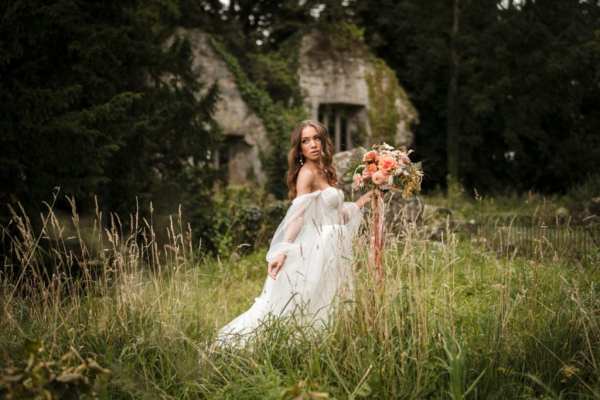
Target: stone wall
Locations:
point(340, 80)
point(334, 76)
point(233, 115)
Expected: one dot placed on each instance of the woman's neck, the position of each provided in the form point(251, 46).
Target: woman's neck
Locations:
point(317, 165)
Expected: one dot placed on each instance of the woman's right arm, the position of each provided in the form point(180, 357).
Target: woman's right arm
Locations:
point(304, 184)
point(364, 199)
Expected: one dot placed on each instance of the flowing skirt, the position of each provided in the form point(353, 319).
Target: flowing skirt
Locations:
point(316, 276)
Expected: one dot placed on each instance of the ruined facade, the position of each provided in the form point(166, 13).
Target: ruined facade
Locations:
point(351, 92)
point(339, 86)
point(244, 131)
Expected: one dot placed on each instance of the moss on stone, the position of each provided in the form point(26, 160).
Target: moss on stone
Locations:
point(385, 93)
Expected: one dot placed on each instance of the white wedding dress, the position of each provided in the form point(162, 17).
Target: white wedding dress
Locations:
point(316, 235)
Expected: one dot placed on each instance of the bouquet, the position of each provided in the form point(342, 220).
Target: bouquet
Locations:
point(384, 168)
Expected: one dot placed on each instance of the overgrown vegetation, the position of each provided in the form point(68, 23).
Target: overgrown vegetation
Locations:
point(278, 118)
point(94, 102)
point(452, 320)
point(37, 377)
point(385, 99)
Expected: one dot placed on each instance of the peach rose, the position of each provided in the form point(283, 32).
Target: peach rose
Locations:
point(387, 163)
point(379, 178)
point(372, 168)
point(371, 156)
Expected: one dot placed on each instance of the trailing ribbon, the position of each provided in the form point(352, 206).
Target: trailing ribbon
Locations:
point(377, 233)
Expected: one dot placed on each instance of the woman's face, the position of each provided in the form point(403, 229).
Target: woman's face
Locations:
point(310, 143)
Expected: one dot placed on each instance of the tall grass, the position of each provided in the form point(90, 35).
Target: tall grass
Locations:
point(451, 321)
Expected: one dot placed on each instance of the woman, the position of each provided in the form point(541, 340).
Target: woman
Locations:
point(309, 259)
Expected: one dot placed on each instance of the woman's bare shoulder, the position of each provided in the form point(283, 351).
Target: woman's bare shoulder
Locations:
point(306, 172)
point(305, 181)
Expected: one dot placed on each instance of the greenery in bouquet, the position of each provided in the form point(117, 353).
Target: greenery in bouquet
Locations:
point(386, 168)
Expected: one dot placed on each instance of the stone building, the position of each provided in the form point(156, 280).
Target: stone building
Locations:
point(343, 89)
point(244, 131)
point(350, 91)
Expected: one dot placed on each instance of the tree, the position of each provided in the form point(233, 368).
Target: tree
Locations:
point(413, 38)
point(86, 104)
point(528, 96)
point(453, 120)
point(528, 78)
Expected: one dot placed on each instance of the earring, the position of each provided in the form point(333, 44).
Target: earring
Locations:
point(300, 161)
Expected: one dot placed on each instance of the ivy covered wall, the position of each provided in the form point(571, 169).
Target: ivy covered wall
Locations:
point(270, 83)
point(279, 118)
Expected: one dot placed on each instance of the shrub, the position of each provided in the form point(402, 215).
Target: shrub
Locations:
point(40, 376)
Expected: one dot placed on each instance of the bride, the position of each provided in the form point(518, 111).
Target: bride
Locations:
point(309, 259)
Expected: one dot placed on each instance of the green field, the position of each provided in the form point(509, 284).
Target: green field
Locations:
point(453, 320)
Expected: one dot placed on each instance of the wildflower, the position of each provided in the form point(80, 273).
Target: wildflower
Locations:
point(568, 371)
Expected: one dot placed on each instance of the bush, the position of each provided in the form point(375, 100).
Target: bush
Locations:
point(69, 377)
point(238, 219)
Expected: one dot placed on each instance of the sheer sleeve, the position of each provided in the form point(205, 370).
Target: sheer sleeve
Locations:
point(352, 215)
point(283, 241)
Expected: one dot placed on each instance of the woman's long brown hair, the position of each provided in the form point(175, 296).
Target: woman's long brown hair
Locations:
point(295, 154)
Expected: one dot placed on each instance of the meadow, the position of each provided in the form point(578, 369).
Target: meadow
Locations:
point(122, 315)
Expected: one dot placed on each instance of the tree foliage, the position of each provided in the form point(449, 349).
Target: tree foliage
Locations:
point(529, 76)
point(95, 102)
